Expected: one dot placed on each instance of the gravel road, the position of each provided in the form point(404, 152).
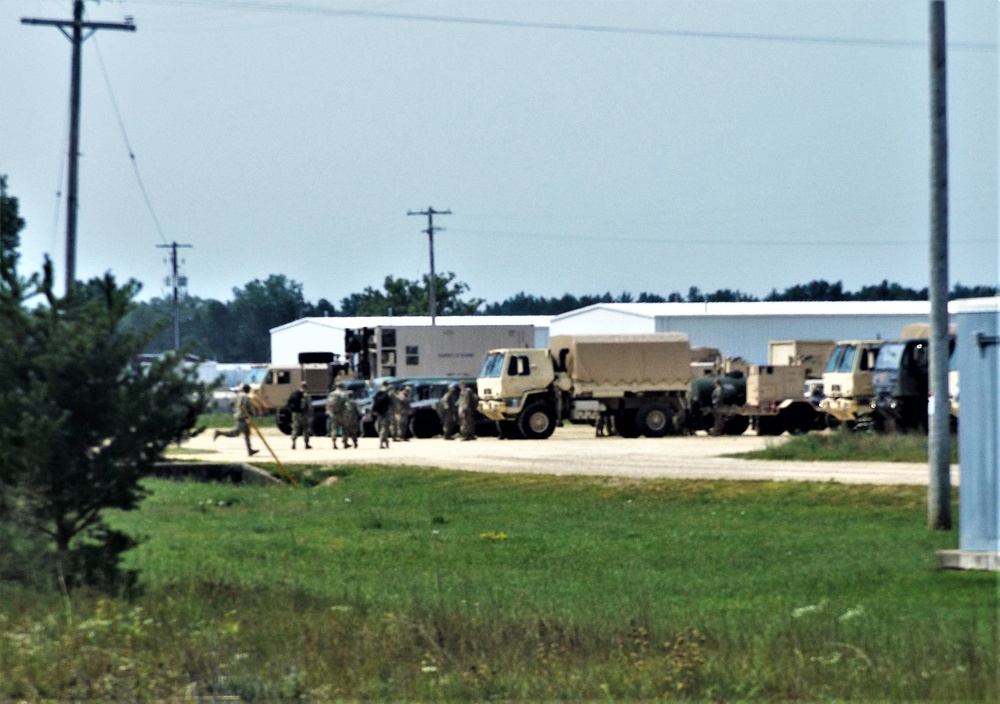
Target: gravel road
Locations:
point(571, 450)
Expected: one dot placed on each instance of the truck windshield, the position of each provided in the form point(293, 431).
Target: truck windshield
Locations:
point(847, 362)
point(835, 357)
point(492, 365)
point(890, 356)
point(254, 376)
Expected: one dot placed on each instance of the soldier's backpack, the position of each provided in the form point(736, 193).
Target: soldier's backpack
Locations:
point(380, 402)
point(298, 402)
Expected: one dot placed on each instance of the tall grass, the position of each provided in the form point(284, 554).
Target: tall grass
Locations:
point(409, 584)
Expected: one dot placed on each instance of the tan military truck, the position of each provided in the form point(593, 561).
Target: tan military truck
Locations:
point(848, 388)
point(271, 385)
point(640, 380)
point(769, 397)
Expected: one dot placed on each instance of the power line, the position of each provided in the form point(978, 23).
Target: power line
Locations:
point(293, 8)
point(128, 144)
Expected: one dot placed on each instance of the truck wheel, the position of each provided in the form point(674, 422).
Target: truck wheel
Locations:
point(425, 424)
point(318, 426)
point(736, 425)
point(283, 419)
point(770, 425)
point(537, 422)
point(627, 424)
point(655, 420)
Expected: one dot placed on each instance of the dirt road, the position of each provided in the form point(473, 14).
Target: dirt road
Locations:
point(572, 450)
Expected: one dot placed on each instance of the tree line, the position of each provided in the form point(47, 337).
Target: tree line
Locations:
point(238, 331)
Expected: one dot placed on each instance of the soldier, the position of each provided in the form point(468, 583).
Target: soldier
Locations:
point(605, 423)
point(381, 411)
point(401, 414)
point(448, 411)
point(242, 410)
point(300, 406)
point(350, 421)
point(336, 402)
point(468, 403)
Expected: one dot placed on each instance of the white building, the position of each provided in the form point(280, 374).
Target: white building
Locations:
point(744, 329)
point(327, 334)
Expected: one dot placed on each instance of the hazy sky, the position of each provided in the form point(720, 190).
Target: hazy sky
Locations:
point(582, 146)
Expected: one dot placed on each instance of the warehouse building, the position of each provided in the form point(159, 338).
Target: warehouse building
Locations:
point(744, 329)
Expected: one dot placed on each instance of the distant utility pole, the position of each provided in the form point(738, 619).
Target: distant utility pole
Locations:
point(77, 37)
point(430, 213)
point(177, 283)
point(939, 440)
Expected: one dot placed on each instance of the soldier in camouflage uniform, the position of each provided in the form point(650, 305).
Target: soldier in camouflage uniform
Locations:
point(350, 421)
point(448, 411)
point(336, 402)
point(242, 410)
point(382, 413)
point(300, 405)
point(401, 414)
point(468, 403)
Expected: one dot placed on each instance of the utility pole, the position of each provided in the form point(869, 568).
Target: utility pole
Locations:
point(176, 282)
point(430, 213)
point(939, 440)
point(77, 37)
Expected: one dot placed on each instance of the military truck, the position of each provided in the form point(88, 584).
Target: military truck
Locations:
point(848, 390)
point(901, 381)
point(428, 351)
point(771, 398)
point(641, 381)
point(272, 384)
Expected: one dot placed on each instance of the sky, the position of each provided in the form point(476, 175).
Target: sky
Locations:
point(582, 146)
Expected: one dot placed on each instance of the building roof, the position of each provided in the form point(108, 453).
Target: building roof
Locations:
point(755, 308)
point(371, 321)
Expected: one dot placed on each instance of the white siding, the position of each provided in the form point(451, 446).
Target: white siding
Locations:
point(747, 337)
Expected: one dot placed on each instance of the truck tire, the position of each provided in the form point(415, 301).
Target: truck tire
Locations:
point(425, 423)
point(798, 418)
point(537, 422)
point(770, 425)
point(319, 426)
point(627, 424)
point(736, 425)
point(283, 419)
point(655, 420)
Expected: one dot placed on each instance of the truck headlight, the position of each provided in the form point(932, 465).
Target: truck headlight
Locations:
point(514, 403)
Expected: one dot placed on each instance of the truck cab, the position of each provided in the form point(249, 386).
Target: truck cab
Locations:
point(847, 380)
point(512, 381)
point(902, 384)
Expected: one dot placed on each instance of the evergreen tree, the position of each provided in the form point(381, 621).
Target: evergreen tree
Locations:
point(82, 420)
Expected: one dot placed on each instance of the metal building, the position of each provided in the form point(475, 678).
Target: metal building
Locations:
point(744, 329)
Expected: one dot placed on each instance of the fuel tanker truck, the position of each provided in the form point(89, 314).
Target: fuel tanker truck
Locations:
point(641, 381)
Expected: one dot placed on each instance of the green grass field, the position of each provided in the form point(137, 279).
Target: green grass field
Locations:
point(845, 446)
point(407, 584)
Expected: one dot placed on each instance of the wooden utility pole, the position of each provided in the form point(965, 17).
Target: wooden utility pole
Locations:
point(77, 37)
point(430, 213)
point(939, 439)
point(176, 283)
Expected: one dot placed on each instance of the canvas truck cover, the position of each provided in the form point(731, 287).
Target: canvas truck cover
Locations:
point(656, 361)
